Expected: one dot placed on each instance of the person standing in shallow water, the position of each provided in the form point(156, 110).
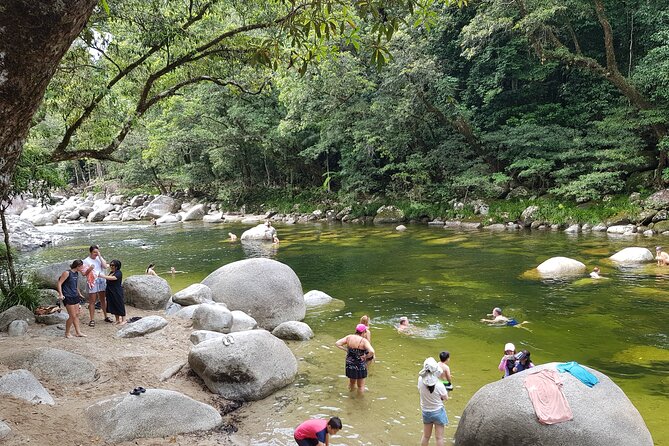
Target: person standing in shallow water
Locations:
point(432, 396)
point(115, 298)
point(69, 293)
point(357, 349)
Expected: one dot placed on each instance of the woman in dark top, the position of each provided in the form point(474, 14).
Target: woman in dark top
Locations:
point(358, 349)
point(69, 293)
point(115, 298)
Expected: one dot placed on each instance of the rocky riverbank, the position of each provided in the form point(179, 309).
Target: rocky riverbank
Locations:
point(26, 215)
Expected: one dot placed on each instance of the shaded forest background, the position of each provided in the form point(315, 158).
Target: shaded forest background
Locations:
point(566, 99)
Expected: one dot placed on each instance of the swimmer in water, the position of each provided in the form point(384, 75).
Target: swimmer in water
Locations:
point(499, 319)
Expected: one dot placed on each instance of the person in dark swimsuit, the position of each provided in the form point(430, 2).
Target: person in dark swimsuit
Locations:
point(69, 293)
point(357, 349)
point(115, 298)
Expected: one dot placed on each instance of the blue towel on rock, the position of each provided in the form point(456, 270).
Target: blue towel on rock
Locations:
point(579, 372)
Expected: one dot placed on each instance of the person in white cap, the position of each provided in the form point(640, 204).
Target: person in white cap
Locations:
point(508, 359)
point(432, 396)
point(661, 256)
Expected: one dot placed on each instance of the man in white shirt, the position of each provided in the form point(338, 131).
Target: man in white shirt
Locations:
point(96, 265)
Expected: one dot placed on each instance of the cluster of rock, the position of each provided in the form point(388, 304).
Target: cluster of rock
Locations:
point(233, 351)
point(565, 266)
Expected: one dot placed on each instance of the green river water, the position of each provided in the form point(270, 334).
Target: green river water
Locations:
point(444, 281)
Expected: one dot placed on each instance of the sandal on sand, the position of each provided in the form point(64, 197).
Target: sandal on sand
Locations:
point(91, 324)
point(108, 319)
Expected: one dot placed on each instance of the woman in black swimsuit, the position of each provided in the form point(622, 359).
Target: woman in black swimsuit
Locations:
point(358, 349)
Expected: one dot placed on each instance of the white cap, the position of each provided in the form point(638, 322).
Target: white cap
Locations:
point(509, 346)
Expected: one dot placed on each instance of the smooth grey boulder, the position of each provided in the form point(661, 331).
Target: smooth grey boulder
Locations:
point(633, 254)
point(160, 206)
point(293, 331)
point(155, 413)
point(187, 312)
point(621, 229)
point(212, 317)
point(256, 365)
point(196, 293)
point(195, 213)
point(259, 232)
point(501, 414)
point(242, 321)
point(142, 327)
point(15, 313)
point(47, 276)
point(53, 365)
point(23, 385)
point(560, 266)
point(267, 290)
point(216, 217)
point(315, 298)
point(17, 328)
point(147, 292)
point(51, 319)
point(199, 336)
point(389, 214)
point(5, 430)
point(169, 218)
point(401, 228)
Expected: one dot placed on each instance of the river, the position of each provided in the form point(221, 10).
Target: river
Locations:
point(444, 281)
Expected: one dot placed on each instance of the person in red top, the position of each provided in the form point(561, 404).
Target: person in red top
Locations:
point(316, 432)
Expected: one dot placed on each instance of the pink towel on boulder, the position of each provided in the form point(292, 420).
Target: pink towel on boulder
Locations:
point(545, 390)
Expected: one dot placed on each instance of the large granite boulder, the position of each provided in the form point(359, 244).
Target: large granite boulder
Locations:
point(147, 292)
point(53, 365)
point(39, 216)
point(193, 295)
point(17, 328)
point(155, 413)
point(142, 327)
point(560, 266)
point(213, 318)
point(23, 385)
point(633, 255)
point(259, 232)
point(47, 276)
point(253, 367)
point(501, 414)
point(293, 331)
point(267, 290)
point(15, 313)
point(389, 214)
point(197, 212)
point(160, 206)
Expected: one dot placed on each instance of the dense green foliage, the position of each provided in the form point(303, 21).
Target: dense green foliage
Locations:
point(568, 99)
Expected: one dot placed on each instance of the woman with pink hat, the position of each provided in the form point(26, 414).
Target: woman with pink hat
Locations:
point(432, 396)
point(357, 349)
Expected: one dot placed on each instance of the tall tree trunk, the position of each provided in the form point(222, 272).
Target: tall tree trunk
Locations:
point(35, 34)
point(10, 261)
